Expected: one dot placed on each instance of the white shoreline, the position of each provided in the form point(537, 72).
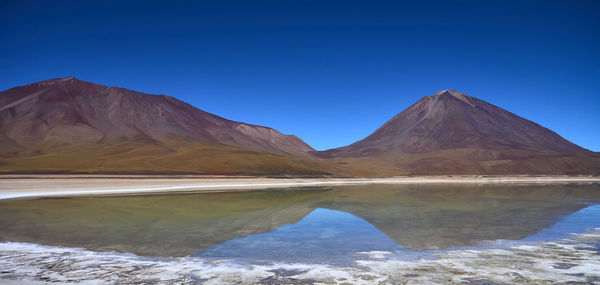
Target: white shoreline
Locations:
point(564, 260)
point(59, 187)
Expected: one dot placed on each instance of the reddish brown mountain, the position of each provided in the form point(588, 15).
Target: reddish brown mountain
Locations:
point(70, 111)
point(453, 133)
point(68, 125)
point(55, 119)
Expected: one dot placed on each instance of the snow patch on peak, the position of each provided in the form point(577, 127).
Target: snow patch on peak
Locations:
point(460, 96)
point(450, 92)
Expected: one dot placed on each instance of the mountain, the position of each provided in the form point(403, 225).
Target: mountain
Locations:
point(453, 133)
point(69, 125)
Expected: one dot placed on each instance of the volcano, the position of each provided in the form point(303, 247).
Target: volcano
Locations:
point(69, 125)
point(66, 125)
point(453, 133)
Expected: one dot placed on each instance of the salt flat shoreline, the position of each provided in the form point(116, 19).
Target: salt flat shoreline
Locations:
point(30, 186)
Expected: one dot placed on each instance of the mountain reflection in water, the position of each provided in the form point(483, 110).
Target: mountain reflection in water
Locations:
point(312, 222)
point(322, 236)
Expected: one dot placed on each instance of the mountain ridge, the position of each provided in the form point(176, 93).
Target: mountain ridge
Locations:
point(69, 125)
point(116, 95)
point(48, 121)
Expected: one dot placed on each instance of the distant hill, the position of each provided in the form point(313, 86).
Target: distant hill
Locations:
point(453, 133)
point(67, 125)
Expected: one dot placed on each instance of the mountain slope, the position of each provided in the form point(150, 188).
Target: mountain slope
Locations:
point(68, 125)
point(71, 125)
point(453, 133)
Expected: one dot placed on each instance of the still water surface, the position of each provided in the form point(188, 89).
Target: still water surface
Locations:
point(321, 225)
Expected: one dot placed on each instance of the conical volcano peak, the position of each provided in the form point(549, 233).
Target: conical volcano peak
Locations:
point(451, 132)
point(448, 92)
point(453, 93)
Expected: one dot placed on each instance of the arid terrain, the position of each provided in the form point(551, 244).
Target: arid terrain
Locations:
point(61, 185)
point(67, 125)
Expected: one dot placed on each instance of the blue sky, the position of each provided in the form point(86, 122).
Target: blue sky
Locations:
point(330, 72)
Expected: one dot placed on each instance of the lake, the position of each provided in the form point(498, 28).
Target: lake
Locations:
point(422, 233)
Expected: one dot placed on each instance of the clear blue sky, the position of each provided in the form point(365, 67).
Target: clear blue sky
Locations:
point(330, 72)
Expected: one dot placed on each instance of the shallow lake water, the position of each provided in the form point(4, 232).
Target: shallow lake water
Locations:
point(370, 234)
